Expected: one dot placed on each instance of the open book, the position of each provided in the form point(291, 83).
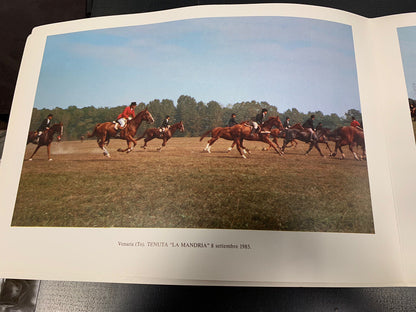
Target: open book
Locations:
point(187, 212)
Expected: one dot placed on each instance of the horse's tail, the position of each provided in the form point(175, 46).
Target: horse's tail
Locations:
point(205, 134)
point(94, 132)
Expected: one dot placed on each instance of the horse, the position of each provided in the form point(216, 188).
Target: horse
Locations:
point(350, 136)
point(45, 138)
point(242, 132)
point(278, 133)
point(104, 131)
point(217, 133)
point(153, 133)
point(304, 136)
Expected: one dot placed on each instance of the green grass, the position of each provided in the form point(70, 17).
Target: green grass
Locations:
point(181, 187)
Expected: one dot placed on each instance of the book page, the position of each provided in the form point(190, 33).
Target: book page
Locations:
point(396, 81)
point(186, 212)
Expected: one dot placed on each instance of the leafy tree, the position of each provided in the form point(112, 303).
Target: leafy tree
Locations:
point(186, 110)
point(352, 113)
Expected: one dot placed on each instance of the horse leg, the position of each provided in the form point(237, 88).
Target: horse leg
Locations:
point(245, 149)
point(231, 147)
point(266, 149)
point(337, 147)
point(267, 141)
point(310, 148)
point(101, 144)
point(237, 142)
point(342, 153)
point(49, 151)
point(284, 145)
point(163, 144)
point(351, 146)
point(209, 144)
point(317, 147)
point(327, 146)
point(147, 140)
point(37, 147)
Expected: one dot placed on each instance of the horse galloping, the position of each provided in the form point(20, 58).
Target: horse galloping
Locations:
point(218, 133)
point(45, 138)
point(350, 136)
point(281, 133)
point(153, 133)
point(242, 132)
point(104, 131)
point(303, 136)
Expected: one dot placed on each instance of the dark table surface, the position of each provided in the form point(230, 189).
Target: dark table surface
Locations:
point(17, 19)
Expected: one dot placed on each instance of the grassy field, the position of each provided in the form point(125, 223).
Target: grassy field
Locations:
point(183, 187)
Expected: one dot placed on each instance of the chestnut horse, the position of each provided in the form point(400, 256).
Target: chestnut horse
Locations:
point(216, 134)
point(242, 132)
point(45, 138)
point(153, 133)
point(104, 131)
point(350, 136)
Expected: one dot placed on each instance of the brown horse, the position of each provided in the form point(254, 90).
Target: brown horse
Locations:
point(155, 133)
point(104, 131)
point(242, 132)
point(216, 134)
point(45, 138)
point(350, 136)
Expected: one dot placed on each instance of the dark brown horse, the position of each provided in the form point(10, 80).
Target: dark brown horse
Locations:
point(45, 138)
point(350, 136)
point(104, 131)
point(279, 133)
point(242, 132)
point(155, 133)
point(304, 136)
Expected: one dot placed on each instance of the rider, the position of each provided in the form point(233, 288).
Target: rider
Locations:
point(286, 124)
point(355, 123)
point(308, 125)
point(45, 125)
point(258, 120)
point(165, 124)
point(232, 121)
point(124, 116)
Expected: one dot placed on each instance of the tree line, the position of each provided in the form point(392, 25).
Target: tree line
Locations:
point(197, 117)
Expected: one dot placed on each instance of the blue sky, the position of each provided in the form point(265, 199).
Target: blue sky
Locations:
point(288, 62)
point(407, 38)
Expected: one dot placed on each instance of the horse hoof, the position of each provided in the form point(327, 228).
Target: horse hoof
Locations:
point(30, 159)
point(50, 159)
point(244, 156)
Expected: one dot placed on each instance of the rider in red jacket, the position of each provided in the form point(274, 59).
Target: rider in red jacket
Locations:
point(355, 123)
point(124, 116)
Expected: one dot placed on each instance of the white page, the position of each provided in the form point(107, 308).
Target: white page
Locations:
point(393, 97)
point(276, 258)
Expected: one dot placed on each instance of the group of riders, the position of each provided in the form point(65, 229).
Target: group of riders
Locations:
point(120, 123)
point(255, 122)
